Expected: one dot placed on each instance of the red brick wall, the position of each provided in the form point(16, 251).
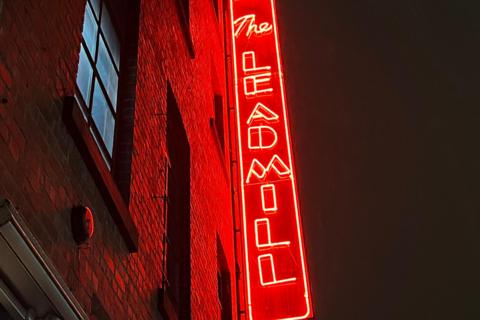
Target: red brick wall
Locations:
point(42, 171)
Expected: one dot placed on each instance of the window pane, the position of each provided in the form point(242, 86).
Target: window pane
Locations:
point(89, 32)
point(96, 7)
point(110, 36)
point(84, 76)
point(103, 118)
point(107, 72)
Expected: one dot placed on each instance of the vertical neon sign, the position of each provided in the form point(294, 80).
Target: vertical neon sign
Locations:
point(276, 273)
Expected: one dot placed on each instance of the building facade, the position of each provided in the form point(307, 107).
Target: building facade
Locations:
point(118, 108)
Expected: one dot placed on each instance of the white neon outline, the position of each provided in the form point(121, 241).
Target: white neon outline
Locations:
point(269, 256)
point(260, 76)
point(258, 114)
point(274, 164)
point(249, 19)
point(242, 181)
point(256, 80)
point(254, 68)
point(260, 145)
point(269, 244)
point(271, 188)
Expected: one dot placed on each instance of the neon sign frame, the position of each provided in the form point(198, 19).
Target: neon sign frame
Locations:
point(261, 162)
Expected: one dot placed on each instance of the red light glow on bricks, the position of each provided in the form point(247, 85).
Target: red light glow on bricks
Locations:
point(276, 273)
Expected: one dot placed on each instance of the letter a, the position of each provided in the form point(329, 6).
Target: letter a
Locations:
point(262, 112)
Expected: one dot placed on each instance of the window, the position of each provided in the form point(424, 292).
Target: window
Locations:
point(223, 283)
point(185, 7)
point(184, 12)
point(219, 127)
point(215, 6)
point(98, 75)
point(100, 117)
point(178, 212)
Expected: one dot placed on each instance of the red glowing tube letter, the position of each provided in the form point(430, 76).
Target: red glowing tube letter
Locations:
point(261, 112)
point(249, 63)
point(276, 277)
point(263, 236)
point(257, 80)
point(269, 198)
point(260, 171)
point(248, 22)
point(261, 137)
point(265, 262)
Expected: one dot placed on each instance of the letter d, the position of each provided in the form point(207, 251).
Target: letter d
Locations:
point(261, 137)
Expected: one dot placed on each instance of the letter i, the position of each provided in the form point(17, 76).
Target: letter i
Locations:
point(269, 198)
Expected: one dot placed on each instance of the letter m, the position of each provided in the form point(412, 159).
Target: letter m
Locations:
point(260, 171)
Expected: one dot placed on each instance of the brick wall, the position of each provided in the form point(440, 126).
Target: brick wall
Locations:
point(42, 171)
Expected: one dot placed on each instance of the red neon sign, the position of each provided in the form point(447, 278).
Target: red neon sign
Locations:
point(276, 273)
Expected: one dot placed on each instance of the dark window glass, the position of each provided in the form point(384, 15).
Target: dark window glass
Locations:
point(98, 74)
point(185, 4)
point(223, 283)
point(219, 126)
point(178, 211)
point(215, 6)
point(111, 36)
point(184, 13)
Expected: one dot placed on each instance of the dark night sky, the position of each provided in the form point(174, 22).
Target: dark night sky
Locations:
point(385, 105)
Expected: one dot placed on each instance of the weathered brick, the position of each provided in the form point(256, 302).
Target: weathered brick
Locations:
point(4, 132)
point(5, 75)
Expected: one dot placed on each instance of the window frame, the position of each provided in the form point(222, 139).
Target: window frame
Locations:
point(183, 8)
point(224, 283)
point(87, 106)
point(219, 120)
point(216, 8)
point(175, 293)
